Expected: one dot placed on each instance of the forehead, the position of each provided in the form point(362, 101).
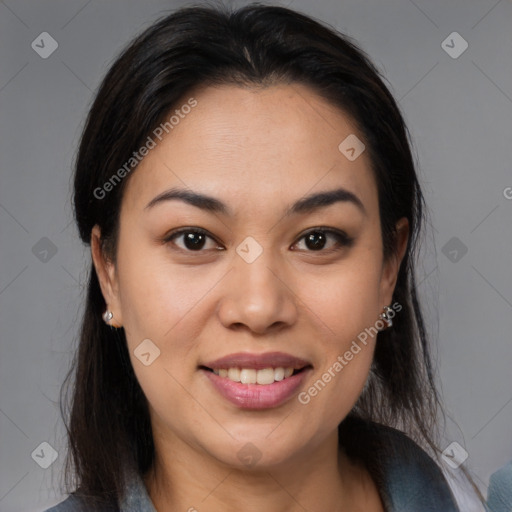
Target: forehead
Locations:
point(277, 144)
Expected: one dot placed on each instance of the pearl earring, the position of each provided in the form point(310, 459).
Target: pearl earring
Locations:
point(387, 316)
point(107, 316)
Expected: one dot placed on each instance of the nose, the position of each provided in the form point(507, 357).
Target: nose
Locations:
point(258, 298)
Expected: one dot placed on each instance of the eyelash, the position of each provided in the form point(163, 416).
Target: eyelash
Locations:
point(342, 238)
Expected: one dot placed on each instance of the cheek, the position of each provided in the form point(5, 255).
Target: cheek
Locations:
point(163, 305)
point(347, 303)
point(346, 299)
point(340, 377)
point(168, 305)
point(157, 297)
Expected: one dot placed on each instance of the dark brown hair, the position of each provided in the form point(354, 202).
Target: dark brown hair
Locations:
point(255, 46)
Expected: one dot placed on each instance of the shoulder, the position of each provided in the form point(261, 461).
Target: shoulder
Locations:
point(134, 497)
point(70, 504)
point(74, 503)
point(407, 477)
point(415, 477)
point(499, 497)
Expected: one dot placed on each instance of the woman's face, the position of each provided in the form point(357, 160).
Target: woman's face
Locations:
point(273, 280)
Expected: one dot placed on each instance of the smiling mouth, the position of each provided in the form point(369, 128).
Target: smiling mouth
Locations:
point(264, 376)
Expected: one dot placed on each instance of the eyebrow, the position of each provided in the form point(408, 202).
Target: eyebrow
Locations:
point(306, 204)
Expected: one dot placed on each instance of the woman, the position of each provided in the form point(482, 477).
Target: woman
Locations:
point(252, 336)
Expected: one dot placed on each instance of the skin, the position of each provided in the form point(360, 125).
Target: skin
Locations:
point(257, 150)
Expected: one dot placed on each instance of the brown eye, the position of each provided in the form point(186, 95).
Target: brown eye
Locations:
point(194, 239)
point(317, 239)
point(320, 240)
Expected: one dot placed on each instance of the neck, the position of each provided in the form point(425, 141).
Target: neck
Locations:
point(320, 479)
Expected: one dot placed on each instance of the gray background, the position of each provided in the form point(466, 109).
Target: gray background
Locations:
point(459, 112)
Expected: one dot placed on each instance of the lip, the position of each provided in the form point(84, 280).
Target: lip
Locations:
point(257, 396)
point(258, 361)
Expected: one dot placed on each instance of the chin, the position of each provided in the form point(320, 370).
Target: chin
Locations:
point(257, 452)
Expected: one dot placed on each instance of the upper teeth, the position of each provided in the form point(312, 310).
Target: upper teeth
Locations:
point(252, 376)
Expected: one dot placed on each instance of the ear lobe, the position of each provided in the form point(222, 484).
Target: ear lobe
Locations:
point(106, 272)
point(392, 266)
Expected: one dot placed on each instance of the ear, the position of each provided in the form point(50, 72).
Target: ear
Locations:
point(391, 267)
point(107, 277)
